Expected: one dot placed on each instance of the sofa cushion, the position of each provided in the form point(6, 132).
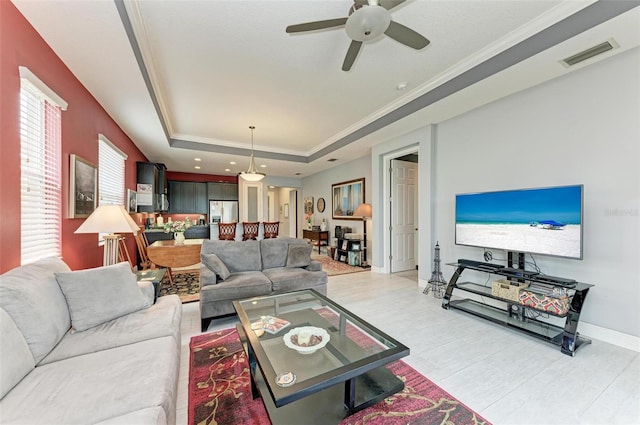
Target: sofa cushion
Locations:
point(238, 286)
point(275, 251)
point(32, 297)
point(98, 386)
point(16, 360)
point(98, 295)
point(286, 279)
point(216, 265)
point(237, 256)
point(160, 320)
point(299, 255)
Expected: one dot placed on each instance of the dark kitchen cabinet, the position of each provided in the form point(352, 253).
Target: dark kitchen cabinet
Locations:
point(188, 197)
point(222, 191)
point(155, 175)
point(147, 173)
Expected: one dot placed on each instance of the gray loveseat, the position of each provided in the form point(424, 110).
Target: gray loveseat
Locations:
point(86, 347)
point(235, 270)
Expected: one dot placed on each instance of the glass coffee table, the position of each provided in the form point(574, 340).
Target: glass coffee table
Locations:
point(311, 360)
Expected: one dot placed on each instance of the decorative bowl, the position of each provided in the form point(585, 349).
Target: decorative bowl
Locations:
point(306, 335)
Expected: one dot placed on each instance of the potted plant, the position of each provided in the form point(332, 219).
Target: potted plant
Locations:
point(178, 228)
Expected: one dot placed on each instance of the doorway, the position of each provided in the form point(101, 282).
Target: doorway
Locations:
point(403, 213)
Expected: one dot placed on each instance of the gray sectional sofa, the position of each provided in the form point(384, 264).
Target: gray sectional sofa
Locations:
point(235, 270)
point(86, 347)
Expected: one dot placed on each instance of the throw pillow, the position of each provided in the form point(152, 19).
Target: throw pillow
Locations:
point(299, 255)
point(96, 296)
point(215, 264)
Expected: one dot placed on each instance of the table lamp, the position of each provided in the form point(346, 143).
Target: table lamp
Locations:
point(364, 211)
point(109, 219)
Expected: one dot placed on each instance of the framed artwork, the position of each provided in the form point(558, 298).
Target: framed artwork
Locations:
point(320, 205)
point(83, 191)
point(286, 210)
point(308, 205)
point(144, 194)
point(132, 199)
point(346, 197)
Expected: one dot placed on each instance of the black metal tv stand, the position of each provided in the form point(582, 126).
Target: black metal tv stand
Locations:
point(513, 314)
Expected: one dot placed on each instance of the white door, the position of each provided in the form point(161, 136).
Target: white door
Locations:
point(404, 215)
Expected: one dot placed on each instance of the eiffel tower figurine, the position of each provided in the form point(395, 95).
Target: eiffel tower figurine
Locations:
point(437, 282)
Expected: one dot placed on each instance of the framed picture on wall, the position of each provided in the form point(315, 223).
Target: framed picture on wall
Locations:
point(132, 201)
point(286, 210)
point(83, 191)
point(308, 205)
point(346, 197)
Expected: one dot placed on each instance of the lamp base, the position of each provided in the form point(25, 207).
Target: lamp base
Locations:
point(110, 249)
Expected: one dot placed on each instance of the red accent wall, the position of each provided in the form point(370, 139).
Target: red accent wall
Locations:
point(194, 177)
point(21, 45)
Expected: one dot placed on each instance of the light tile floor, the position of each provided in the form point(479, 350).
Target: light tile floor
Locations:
point(503, 375)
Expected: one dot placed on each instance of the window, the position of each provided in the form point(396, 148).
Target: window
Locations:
point(40, 169)
point(110, 175)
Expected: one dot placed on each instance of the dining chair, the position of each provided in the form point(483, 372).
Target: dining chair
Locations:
point(271, 229)
point(250, 230)
point(142, 244)
point(227, 231)
point(123, 252)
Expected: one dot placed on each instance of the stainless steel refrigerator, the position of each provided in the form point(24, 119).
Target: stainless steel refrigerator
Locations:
point(223, 211)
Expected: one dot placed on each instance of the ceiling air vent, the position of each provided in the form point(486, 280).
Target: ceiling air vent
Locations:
point(332, 159)
point(589, 53)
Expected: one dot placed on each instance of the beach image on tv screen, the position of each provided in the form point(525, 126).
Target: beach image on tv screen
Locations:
point(543, 221)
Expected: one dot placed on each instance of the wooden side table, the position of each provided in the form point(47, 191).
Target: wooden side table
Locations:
point(317, 235)
point(154, 276)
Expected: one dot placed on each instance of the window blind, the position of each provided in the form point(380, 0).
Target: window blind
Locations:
point(40, 176)
point(110, 176)
point(110, 173)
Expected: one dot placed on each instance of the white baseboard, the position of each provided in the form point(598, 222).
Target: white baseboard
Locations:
point(609, 335)
point(594, 332)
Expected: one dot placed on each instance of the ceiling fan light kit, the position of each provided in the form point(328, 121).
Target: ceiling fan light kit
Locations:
point(252, 174)
point(367, 21)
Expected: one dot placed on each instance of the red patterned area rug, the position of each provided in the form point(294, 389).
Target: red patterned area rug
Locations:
point(186, 285)
point(334, 268)
point(220, 391)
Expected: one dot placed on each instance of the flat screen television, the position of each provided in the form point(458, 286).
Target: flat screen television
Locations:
point(546, 221)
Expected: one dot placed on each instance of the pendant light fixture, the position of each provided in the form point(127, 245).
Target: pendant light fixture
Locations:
point(252, 174)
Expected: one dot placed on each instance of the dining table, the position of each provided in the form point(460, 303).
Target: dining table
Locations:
point(173, 255)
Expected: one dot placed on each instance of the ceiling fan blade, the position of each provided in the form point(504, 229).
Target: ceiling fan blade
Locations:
point(387, 4)
point(406, 36)
point(316, 25)
point(352, 54)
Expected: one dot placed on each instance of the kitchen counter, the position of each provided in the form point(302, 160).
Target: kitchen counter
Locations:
point(194, 232)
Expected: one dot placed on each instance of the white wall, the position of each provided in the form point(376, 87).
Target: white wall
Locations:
point(581, 128)
point(319, 186)
point(283, 199)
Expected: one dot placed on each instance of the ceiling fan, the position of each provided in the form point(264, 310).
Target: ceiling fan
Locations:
point(368, 19)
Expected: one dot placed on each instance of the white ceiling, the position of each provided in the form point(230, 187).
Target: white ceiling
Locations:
point(216, 67)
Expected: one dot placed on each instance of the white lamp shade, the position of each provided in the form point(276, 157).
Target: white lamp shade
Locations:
point(252, 176)
point(109, 219)
point(363, 210)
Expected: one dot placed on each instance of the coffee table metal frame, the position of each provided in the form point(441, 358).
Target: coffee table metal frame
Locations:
point(345, 389)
